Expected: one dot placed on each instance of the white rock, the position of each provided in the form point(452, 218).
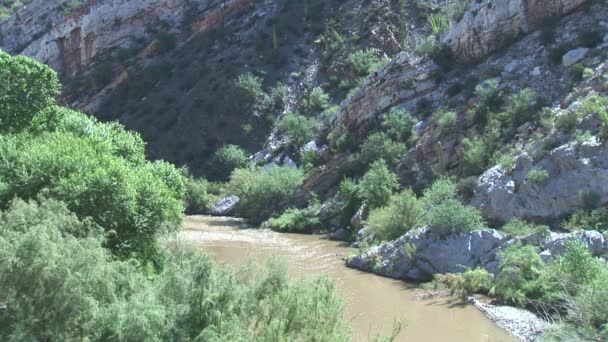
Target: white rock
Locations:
point(535, 72)
point(574, 56)
point(605, 38)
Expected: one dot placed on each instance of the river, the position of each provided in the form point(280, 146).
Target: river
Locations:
point(373, 303)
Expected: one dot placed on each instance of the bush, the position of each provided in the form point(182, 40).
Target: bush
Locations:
point(226, 159)
point(490, 99)
point(364, 62)
point(439, 23)
point(380, 146)
point(442, 190)
point(517, 227)
point(262, 192)
point(473, 156)
point(26, 88)
point(521, 108)
point(466, 284)
point(398, 217)
point(538, 176)
point(596, 219)
point(298, 128)
point(445, 121)
point(519, 273)
point(451, 216)
point(295, 221)
point(377, 185)
point(319, 99)
point(250, 87)
point(199, 197)
point(87, 295)
point(398, 124)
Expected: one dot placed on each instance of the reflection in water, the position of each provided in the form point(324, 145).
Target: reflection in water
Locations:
point(373, 303)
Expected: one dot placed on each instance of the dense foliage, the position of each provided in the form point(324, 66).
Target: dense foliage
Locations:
point(60, 284)
point(82, 213)
point(262, 191)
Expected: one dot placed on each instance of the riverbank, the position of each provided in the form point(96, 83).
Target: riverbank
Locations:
point(372, 303)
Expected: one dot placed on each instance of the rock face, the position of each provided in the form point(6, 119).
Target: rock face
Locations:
point(225, 206)
point(574, 56)
point(419, 254)
point(490, 25)
point(572, 170)
point(68, 39)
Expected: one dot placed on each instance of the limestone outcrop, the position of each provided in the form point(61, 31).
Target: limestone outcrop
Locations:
point(68, 38)
point(572, 170)
point(490, 25)
point(420, 253)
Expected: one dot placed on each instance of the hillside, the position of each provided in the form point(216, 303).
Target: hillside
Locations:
point(459, 143)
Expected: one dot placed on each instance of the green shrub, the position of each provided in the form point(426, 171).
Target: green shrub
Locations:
point(250, 87)
point(474, 156)
point(596, 219)
point(489, 99)
point(87, 295)
point(26, 88)
point(517, 227)
point(298, 128)
point(445, 121)
point(519, 273)
point(295, 221)
point(538, 176)
point(428, 46)
point(442, 190)
point(398, 124)
point(439, 23)
point(262, 192)
point(451, 216)
point(377, 185)
point(521, 107)
point(395, 219)
point(566, 121)
point(380, 146)
point(364, 62)
point(199, 197)
point(319, 99)
point(467, 283)
point(226, 159)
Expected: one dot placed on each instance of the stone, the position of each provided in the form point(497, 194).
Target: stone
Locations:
point(574, 56)
point(511, 67)
point(593, 240)
point(605, 40)
point(339, 235)
point(488, 26)
point(573, 169)
point(289, 163)
point(359, 217)
point(420, 253)
point(226, 205)
point(536, 71)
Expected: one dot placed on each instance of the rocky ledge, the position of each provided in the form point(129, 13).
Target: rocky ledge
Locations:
point(420, 253)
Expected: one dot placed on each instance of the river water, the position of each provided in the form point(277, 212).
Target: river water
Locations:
point(373, 303)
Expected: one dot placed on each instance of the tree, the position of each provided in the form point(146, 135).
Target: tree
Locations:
point(378, 185)
point(298, 128)
point(26, 88)
point(226, 159)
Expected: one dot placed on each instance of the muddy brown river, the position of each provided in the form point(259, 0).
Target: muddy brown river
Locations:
point(373, 303)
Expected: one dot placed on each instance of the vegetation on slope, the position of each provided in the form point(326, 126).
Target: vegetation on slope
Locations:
point(82, 211)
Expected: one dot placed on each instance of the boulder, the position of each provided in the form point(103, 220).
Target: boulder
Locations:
point(339, 235)
point(359, 217)
point(225, 206)
point(593, 240)
point(573, 169)
point(574, 56)
point(420, 253)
